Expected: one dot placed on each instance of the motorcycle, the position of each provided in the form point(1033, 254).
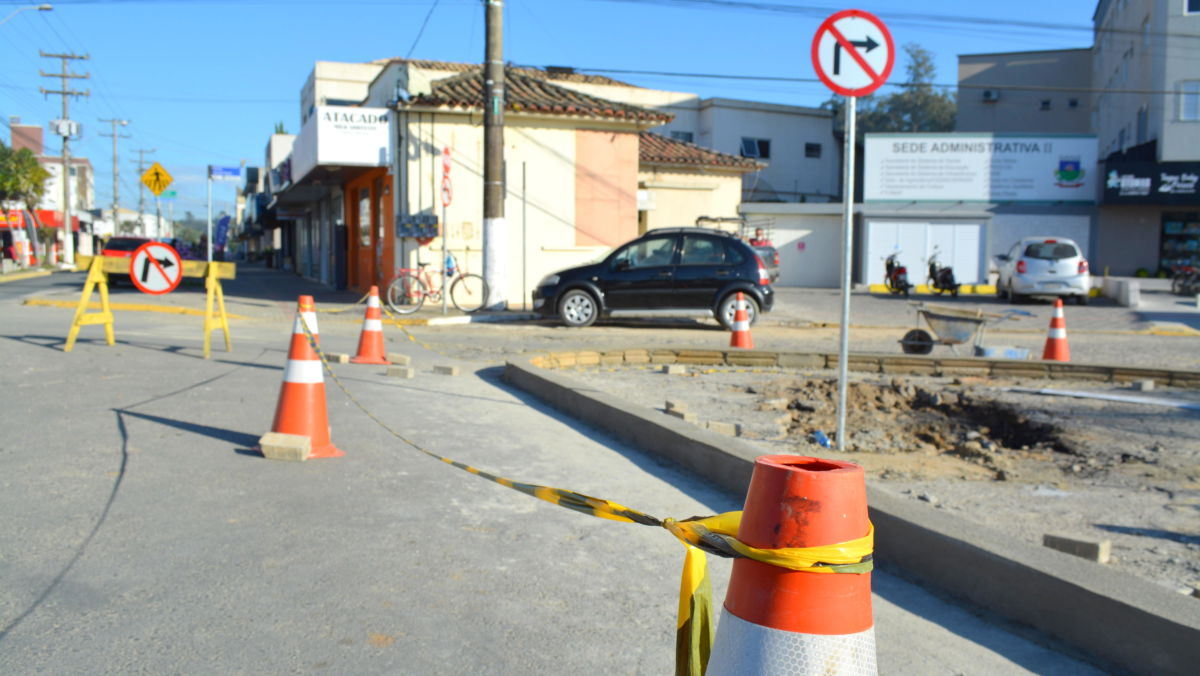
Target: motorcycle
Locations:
point(895, 276)
point(1185, 281)
point(941, 277)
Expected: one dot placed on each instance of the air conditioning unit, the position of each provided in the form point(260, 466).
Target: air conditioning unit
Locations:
point(991, 95)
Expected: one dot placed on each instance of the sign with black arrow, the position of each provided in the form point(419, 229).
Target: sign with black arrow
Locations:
point(853, 53)
point(155, 268)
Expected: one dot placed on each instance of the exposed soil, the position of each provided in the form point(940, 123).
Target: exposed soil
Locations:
point(1019, 463)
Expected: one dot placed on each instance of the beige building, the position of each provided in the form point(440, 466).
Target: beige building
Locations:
point(1042, 91)
point(682, 184)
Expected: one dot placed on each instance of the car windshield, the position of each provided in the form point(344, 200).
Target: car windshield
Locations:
point(1051, 251)
point(122, 244)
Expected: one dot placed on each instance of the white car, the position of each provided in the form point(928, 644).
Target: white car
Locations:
point(1043, 266)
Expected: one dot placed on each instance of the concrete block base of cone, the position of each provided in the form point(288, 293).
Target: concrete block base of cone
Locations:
point(290, 447)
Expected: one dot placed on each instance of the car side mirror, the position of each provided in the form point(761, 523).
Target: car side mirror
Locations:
point(620, 266)
point(1002, 258)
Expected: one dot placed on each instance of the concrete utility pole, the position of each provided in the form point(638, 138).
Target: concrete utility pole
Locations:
point(116, 203)
point(141, 162)
point(65, 129)
point(495, 229)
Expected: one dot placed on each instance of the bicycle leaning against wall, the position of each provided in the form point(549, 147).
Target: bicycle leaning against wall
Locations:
point(410, 288)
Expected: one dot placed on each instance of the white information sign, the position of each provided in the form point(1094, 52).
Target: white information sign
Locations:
point(977, 167)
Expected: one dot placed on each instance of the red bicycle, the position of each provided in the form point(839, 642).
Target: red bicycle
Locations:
point(412, 286)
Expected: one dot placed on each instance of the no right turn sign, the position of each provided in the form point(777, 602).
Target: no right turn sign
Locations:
point(853, 53)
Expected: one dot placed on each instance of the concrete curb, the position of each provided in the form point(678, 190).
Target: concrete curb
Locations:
point(1130, 622)
point(18, 276)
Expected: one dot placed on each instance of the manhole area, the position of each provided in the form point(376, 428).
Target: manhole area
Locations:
point(901, 417)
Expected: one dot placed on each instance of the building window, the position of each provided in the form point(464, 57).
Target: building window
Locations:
point(1193, 6)
point(812, 150)
point(1045, 104)
point(685, 136)
point(756, 147)
point(1142, 125)
point(1146, 33)
point(1072, 103)
point(1189, 99)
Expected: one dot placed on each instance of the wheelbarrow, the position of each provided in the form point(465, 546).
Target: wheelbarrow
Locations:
point(953, 326)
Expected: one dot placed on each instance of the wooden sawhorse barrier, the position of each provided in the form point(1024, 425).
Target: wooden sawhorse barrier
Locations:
point(100, 267)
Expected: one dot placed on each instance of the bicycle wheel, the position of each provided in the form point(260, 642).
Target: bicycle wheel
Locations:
point(469, 292)
point(406, 294)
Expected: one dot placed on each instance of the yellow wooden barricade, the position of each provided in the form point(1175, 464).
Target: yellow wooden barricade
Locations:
point(99, 267)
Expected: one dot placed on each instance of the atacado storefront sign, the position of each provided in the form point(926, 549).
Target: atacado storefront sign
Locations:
point(1152, 183)
point(978, 167)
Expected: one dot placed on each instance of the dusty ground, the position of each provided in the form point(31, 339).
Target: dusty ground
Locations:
point(1023, 464)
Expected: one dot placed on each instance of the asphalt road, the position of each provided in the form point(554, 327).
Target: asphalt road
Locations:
point(142, 533)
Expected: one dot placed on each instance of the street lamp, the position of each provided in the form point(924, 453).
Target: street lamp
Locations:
point(41, 8)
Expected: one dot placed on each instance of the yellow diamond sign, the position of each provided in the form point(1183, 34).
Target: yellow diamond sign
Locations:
point(157, 179)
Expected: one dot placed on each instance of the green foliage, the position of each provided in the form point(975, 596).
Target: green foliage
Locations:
point(917, 107)
point(279, 128)
point(22, 178)
point(1141, 272)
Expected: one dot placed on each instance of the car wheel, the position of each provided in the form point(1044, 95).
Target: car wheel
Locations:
point(1081, 299)
point(727, 307)
point(578, 308)
point(1014, 297)
point(1001, 290)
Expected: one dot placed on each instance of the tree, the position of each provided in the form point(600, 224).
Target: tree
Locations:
point(279, 128)
point(918, 106)
point(23, 180)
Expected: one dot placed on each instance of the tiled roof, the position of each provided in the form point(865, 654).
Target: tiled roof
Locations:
point(550, 73)
point(527, 93)
point(658, 149)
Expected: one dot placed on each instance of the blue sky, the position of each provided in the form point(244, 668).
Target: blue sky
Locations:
point(205, 82)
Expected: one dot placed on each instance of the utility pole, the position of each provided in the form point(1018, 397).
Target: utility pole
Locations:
point(66, 128)
point(495, 229)
point(141, 162)
point(116, 203)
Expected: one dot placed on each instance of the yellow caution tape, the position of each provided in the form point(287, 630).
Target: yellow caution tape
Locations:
point(714, 534)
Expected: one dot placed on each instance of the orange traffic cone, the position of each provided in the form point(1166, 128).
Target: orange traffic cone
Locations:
point(782, 621)
point(301, 407)
point(741, 325)
point(370, 341)
point(1056, 338)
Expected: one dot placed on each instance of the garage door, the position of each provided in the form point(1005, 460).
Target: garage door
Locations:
point(957, 244)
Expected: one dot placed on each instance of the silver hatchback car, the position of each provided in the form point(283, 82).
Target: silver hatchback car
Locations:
point(1043, 266)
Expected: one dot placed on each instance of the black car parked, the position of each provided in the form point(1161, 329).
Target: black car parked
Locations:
point(665, 270)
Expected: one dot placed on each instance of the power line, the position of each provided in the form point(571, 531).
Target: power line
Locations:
point(810, 80)
point(422, 31)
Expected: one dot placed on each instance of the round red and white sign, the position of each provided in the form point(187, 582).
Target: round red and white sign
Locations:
point(156, 268)
point(447, 193)
point(853, 52)
point(445, 160)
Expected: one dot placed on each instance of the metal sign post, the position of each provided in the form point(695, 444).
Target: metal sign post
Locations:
point(446, 196)
point(845, 58)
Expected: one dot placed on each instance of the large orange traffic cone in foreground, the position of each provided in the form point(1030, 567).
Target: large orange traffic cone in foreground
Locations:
point(1056, 338)
point(781, 621)
point(370, 341)
point(741, 325)
point(301, 408)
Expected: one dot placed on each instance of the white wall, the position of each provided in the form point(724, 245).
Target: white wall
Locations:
point(808, 238)
point(788, 128)
point(1006, 229)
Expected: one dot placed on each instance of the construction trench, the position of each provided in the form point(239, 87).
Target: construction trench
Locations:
point(968, 469)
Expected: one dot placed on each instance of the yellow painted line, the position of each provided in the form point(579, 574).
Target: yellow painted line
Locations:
point(407, 322)
point(18, 276)
point(965, 289)
point(127, 307)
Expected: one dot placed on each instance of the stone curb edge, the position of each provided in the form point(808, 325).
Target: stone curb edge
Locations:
point(1129, 622)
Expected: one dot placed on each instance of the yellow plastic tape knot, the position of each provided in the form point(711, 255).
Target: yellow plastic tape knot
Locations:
point(718, 535)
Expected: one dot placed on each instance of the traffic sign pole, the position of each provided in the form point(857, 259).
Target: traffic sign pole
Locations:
point(845, 58)
point(445, 227)
point(847, 257)
point(209, 238)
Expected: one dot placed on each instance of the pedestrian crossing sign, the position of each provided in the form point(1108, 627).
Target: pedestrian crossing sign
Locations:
point(157, 179)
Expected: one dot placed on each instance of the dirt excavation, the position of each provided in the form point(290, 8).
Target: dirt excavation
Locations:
point(1021, 463)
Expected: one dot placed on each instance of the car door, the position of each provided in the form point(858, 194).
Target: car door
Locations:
point(704, 268)
point(640, 275)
